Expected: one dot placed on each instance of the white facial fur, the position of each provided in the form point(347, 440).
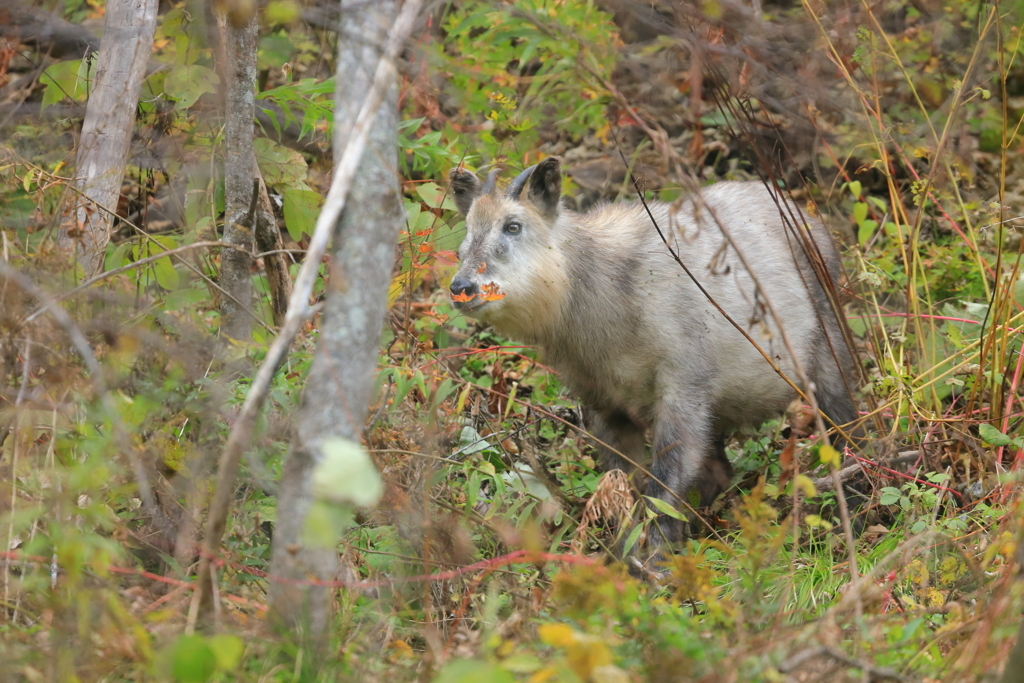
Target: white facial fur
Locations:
point(509, 253)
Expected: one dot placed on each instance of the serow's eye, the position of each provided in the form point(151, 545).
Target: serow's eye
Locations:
point(513, 228)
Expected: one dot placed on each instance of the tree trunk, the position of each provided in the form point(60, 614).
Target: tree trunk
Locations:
point(107, 131)
point(239, 171)
point(268, 238)
point(341, 377)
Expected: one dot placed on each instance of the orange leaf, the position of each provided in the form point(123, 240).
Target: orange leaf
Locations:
point(446, 258)
point(483, 267)
point(462, 298)
point(426, 247)
point(786, 460)
point(491, 292)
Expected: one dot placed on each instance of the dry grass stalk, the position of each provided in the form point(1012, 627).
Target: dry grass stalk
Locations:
point(611, 501)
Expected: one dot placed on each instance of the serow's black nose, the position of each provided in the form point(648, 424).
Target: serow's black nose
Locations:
point(462, 286)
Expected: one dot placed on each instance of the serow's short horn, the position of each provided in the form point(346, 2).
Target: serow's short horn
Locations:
point(491, 182)
point(517, 185)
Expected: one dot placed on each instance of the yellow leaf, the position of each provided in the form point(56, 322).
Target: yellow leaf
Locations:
point(935, 597)
point(557, 635)
point(587, 655)
point(398, 285)
point(712, 9)
point(828, 455)
point(584, 653)
point(400, 650)
point(463, 395)
point(543, 675)
point(815, 521)
point(806, 485)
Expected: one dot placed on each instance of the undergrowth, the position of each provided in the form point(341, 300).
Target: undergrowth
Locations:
point(487, 559)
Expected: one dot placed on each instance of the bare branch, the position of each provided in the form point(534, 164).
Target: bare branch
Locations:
point(134, 264)
point(876, 672)
point(44, 31)
point(81, 344)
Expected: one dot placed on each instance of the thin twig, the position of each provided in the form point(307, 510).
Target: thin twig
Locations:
point(279, 251)
point(134, 264)
point(142, 233)
point(828, 483)
point(877, 672)
point(96, 375)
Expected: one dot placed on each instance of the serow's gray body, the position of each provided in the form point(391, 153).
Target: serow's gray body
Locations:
point(631, 334)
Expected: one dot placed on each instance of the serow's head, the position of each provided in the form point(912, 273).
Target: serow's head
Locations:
point(508, 261)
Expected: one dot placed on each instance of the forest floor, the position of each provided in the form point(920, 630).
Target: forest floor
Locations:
point(488, 557)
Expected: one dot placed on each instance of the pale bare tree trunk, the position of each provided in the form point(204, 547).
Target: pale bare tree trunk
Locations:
point(346, 171)
point(239, 171)
point(107, 131)
point(340, 380)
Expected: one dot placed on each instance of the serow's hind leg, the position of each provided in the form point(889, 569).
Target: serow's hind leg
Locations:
point(716, 473)
point(833, 384)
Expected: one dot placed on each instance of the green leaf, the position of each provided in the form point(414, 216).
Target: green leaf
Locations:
point(166, 275)
point(631, 540)
point(163, 269)
point(880, 203)
point(173, 24)
point(188, 82)
point(471, 442)
point(346, 475)
point(890, 495)
point(855, 188)
point(993, 436)
point(666, 508)
point(521, 663)
point(192, 660)
point(865, 230)
point(65, 79)
point(534, 486)
point(435, 196)
point(185, 298)
point(282, 12)
point(472, 671)
point(280, 165)
point(118, 256)
point(325, 523)
point(860, 212)
point(227, 649)
point(274, 51)
point(301, 209)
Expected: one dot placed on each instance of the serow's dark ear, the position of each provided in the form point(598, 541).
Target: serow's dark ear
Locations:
point(546, 186)
point(465, 188)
